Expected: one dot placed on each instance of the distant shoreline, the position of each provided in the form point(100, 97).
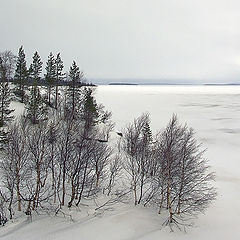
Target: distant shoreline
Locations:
point(129, 84)
point(168, 84)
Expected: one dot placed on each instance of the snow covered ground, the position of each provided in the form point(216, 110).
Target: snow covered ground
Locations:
point(214, 113)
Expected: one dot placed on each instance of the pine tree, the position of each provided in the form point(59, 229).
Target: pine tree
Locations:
point(59, 76)
point(5, 100)
point(35, 68)
point(6, 66)
point(90, 112)
point(21, 75)
point(74, 96)
point(147, 132)
point(36, 109)
point(90, 108)
point(50, 75)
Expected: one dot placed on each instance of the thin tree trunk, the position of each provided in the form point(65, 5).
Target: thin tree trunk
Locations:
point(83, 183)
point(10, 205)
point(73, 194)
point(18, 190)
point(35, 200)
point(49, 95)
point(63, 184)
point(161, 202)
point(56, 96)
point(141, 190)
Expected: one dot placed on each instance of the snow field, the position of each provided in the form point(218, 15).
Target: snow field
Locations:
point(214, 113)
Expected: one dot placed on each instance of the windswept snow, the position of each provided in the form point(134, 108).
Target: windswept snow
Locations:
point(214, 113)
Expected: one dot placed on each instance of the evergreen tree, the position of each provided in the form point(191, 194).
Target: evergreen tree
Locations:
point(50, 75)
point(35, 68)
point(21, 75)
point(7, 60)
point(5, 100)
point(36, 109)
point(90, 112)
point(59, 76)
point(147, 132)
point(74, 96)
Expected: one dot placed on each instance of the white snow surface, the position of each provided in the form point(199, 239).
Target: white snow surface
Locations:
point(214, 113)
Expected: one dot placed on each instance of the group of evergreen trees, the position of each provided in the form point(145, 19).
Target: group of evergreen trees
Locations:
point(25, 77)
point(28, 81)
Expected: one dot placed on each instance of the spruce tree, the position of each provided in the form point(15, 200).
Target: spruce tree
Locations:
point(21, 75)
point(5, 100)
point(74, 96)
point(36, 109)
point(60, 75)
point(35, 68)
point(89, 112)
point(50, 75)
point(147, 132)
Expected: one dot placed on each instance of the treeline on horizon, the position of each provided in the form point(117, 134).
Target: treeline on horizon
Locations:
point(19, 61)
point(27, 80)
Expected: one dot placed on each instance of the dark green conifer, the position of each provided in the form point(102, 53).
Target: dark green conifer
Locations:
point(60, 75)
point(5, 100)
point(74, 95)
point(50, 75)
point(21, 75)
point(36, 108)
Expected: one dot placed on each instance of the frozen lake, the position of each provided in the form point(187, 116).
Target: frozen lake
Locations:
point(214, 113)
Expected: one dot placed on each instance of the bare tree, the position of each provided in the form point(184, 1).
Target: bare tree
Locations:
point(65, 148)
point(7, 65)
point(183, 175)
point(15, 156)
point(37, 140)
point(115, 169)
point(136, 145)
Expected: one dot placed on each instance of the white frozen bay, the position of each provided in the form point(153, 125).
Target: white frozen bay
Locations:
point(214, 113)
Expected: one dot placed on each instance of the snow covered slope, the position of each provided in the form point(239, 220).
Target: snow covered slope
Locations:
point(214, 113)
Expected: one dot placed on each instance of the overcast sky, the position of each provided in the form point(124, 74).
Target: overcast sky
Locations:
point(151, 39)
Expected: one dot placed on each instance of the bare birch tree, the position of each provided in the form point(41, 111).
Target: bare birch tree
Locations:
point(183, 176)
point(136, 145)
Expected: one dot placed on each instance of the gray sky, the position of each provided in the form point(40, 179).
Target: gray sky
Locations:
point(151, 39)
